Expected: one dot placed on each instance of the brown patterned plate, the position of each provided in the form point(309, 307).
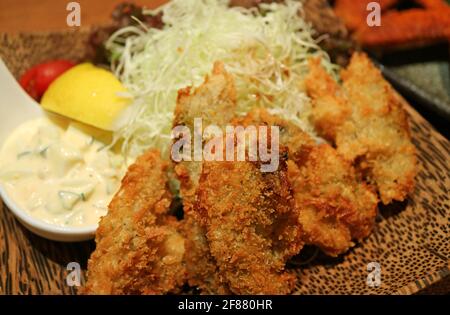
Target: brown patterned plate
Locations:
point(410, 244)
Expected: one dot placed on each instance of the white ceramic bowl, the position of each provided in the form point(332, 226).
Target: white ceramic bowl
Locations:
point(46, 230)
point(16, 107)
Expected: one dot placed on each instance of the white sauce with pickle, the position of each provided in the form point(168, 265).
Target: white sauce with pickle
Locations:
point(59, 174)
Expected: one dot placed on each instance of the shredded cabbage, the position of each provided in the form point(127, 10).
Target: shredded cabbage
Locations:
point(266, 50)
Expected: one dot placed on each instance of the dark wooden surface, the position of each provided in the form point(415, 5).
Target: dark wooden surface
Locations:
point(30, 264)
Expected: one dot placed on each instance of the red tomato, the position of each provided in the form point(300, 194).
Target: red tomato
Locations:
point(36, 80)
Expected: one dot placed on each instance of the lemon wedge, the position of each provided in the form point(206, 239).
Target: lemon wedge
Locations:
point(88, 94)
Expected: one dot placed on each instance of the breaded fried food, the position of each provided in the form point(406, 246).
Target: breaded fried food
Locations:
point(330, 106)
point(215, 103)
point(335, 208)
point(252, 232)
point(399, 29)
point(371, 127)
point(354, 12)
point(291, 136)
point(139, 249)
point(202, 269)
point(406, 29)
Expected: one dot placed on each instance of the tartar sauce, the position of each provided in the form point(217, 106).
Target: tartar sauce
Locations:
point(59, 173)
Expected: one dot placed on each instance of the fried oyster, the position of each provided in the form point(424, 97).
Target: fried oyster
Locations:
point(365, 120)
point(139, 247)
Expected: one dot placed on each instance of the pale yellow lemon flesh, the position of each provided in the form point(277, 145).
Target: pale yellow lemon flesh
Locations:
point(88, 94)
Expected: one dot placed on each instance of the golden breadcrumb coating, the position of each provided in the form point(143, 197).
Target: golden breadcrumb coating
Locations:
point(215, 103)
point(371, 127)
point(330, 107)
point(139, 249)
point(201, 266)
point(291, 136)
point(252, 227)
point(334, 207)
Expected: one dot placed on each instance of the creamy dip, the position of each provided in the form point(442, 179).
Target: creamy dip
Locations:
point(60, 173)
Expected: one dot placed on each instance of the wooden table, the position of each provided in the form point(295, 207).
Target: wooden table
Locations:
point(44, 15)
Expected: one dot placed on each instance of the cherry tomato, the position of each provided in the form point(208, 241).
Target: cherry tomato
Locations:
point(37, 79)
